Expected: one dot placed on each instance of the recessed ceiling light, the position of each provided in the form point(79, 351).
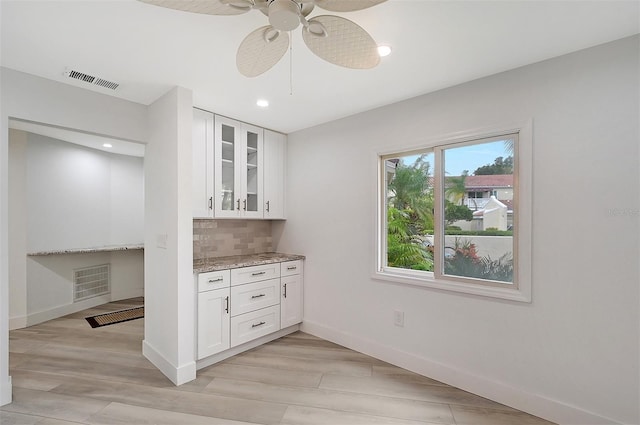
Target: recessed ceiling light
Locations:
point(263, 103)
point(107, 145)
point(384, 50)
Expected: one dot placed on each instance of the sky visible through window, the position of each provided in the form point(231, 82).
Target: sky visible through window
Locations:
point(469, 157)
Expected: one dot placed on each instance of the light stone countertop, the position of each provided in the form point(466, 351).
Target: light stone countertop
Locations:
point(238, 261)
point(106, 248)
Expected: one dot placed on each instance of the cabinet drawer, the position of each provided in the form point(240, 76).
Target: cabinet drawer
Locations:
point(249, 326)
point(214, 280)
point(254, 273)
point(254, 296)
point(289, 268)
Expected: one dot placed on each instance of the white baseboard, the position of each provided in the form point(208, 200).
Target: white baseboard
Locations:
point(53, 313)
point(178, 375)
point(518, 398)
point(126, 293)
point(17, 322)
point(5, 392)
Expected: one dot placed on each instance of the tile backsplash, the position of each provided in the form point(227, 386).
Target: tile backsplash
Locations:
point(221, 238)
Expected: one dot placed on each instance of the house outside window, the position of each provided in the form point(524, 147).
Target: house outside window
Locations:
point(449, 217)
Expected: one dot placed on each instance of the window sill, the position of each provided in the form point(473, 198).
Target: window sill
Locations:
point(408, 278)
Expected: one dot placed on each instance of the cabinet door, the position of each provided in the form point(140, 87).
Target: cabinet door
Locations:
point(239, 158)
point(202, 147)
point(213, 322)
point(274, 174)
point(291, 301)
point(253, 174)
point(228, 167)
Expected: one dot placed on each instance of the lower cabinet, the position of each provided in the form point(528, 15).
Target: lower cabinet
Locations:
point(239, 305)
point(291, 292)
point(213, 322)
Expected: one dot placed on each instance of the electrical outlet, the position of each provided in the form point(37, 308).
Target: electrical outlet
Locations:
point(398, 318)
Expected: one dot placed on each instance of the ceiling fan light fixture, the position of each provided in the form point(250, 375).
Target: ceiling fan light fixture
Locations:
point(284, 14)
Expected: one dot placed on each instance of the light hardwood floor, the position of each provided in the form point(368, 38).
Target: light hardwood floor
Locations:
point(65, 372)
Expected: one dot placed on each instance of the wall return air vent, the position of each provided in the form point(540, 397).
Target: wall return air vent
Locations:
point(89, 282)
point(91, 79)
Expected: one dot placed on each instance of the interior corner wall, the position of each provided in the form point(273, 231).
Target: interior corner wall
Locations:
point(17, 211)
point(24, 96)
point(169, 290)
point(572, 354)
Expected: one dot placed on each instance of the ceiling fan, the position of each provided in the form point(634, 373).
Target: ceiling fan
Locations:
point(332, 38)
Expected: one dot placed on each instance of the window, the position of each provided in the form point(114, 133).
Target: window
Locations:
point(451, 217)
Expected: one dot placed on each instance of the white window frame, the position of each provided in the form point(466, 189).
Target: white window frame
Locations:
point(520, 290)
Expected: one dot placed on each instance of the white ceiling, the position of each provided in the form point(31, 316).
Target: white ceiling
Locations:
point(436, 44)
point(94, 141)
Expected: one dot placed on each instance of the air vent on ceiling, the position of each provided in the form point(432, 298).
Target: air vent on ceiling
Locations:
point(97, 81)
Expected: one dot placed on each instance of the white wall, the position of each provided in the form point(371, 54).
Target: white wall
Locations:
point(572, 354)
point(36, 99)
point(79, 197)
point(17, 267)
point(169, 337)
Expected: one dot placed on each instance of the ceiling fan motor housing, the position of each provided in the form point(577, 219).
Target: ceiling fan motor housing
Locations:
point(284, 14)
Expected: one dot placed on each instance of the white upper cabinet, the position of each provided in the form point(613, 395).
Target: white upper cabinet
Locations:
point(274, 174)
point(202, 137)
point(238, 169)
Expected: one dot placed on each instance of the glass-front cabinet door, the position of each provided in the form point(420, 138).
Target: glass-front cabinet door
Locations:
point(226, 169)
point(238, 169)
point(253, 172)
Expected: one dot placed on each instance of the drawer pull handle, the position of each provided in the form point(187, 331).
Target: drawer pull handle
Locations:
point(226, 302)
point(258, 296)
point(292, 267)
point(285, 290)
point(255, 325)
point(216, 280)
point(258, 274)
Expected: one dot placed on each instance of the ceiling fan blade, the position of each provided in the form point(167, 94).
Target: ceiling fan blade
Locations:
point(346, 6)
point(341, 42)
point(208, 7)
point(261, 50)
